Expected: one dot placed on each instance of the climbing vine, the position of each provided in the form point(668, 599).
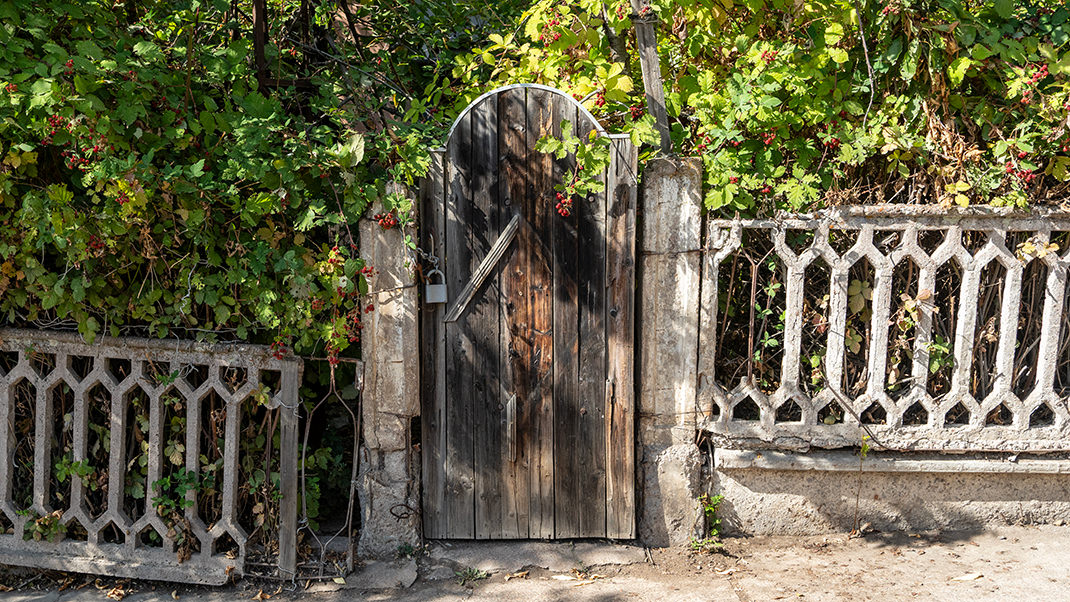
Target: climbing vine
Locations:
point(794, 106)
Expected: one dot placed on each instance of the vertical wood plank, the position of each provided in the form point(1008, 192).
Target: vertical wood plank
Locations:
point(620, 326)
point(483, 320)
point(538, 409)
point(515, 312)
point(460, 442)
point(288, 458)
point(646, 39)
point(432, 369)
point(590, 456)
point(569, 493)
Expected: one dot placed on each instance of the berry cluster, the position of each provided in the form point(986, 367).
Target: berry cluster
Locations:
point(354, 326)
point(769, 137)
point(95, 242)
point(335, 257)
point(122, 199)
point(11, 88)
point(564, 205)
point(69, 65)
point(637, 111)
point(892, 8)
point(1039, 74)
point(769, 55)
point(1026, 175)
point(332, 354)
point(600, 99)
point(278, 349)
point(551, 36)
point(832, 142)
point(84, 148)
point(386, 220)
point(701, 147)
point(733, 179)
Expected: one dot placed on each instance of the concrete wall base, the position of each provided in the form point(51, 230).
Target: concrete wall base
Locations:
point(671, 484)
point(810, 501)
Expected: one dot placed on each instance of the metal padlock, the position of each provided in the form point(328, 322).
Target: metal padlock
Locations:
point(435, 293)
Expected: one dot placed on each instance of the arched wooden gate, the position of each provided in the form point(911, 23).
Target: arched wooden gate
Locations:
point(527, 388)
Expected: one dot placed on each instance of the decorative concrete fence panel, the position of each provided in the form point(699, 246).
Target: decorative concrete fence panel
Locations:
point(919, 331)
point(168, 417)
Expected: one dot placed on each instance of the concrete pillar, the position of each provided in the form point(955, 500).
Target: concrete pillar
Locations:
point(389, 478)
point(670, 262)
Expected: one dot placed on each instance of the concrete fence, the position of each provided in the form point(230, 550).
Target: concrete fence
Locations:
point(144, 407)
point(781, 345)
point(768, 352)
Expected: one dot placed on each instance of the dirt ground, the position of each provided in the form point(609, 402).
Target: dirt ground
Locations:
point(1011, 563)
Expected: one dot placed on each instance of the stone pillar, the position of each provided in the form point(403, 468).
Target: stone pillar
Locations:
point(670, 262)
point(389, 477)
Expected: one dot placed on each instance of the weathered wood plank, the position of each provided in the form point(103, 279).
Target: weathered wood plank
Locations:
point(590, 459)
point(483, 320)
point(432, 369)
point(569, 492)
point(646, 40)
point(515, 313)
point(291, 382)
point(460, 441)
point(620, 325)
point(537, 409)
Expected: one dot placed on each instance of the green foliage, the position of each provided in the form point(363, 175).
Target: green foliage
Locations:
point(710, 542)
point(47, 527)
point(940, 355)
point(709, 504)
point(796, 105)
point(470, 575)
point(148, 184)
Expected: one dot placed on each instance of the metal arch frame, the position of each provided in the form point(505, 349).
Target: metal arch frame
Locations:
point(601, 130)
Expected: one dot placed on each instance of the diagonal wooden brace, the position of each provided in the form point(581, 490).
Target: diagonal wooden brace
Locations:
point(485, 268)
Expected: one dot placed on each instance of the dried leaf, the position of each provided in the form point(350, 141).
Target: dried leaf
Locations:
point(969, 577)
point(517, 575)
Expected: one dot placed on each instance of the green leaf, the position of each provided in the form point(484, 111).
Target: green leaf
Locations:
point(1004, 8)
point(956, 71)
point(148, 51)
point(89, 50)
point(909, 68)
point(833, 33)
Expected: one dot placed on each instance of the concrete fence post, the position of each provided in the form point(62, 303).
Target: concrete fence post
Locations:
point(670, 260)
point(388, 482)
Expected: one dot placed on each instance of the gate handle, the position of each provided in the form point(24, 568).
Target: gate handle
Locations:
point(484, 269)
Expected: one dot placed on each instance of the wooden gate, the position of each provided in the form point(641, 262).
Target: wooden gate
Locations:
point(527, 384)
